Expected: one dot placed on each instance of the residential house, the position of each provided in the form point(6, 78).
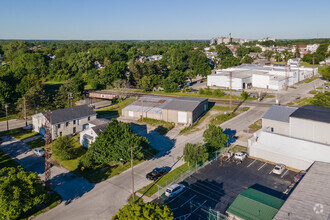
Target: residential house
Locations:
point(92, 131)
point(68, 121)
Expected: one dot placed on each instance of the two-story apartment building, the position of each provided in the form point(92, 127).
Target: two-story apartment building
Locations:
point(68, 121)
point(293, 136)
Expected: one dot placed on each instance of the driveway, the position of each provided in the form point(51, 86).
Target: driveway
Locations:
point(65, 183)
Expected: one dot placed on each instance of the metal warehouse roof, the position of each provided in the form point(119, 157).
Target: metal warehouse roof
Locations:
point(311, 198)
point(69, 114)
point(184, 103)
point(253, 204)
point(312, 112)
point(279, 113)
point(152, 104)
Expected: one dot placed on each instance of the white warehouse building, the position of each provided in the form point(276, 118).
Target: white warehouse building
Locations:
point(295, 137)
point(258, 76)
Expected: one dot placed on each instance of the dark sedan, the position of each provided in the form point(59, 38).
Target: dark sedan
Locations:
point(156, 173)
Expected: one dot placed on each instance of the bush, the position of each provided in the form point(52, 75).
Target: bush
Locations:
point(63, 148)
point(194, 153)
point(201, 91)
point(244, 95)
point(86, 160)
point(218, 92)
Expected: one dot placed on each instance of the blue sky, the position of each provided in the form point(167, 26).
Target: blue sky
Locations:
point(162, 19)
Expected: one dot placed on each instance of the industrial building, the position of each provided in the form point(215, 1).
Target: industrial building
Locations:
point(259, 76)
point(181, 110)
point(295, 137)
point(311, 198)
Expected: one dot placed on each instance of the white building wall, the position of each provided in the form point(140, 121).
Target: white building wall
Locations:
point(278, 127)
point(292, 152)
point(89, 132)
point(224, 81)
point(310, 130)
point(260, 81)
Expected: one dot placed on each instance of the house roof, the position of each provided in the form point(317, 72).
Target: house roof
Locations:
point(310, 196)
point(279, 113)
point(253, 204)
point(99, 128)
point(99, 121)
point(312, 112)
point(184, 103)
point(69, 114)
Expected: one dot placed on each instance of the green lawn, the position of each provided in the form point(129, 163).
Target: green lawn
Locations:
point(162, 126)
point(219, 119)
point(238, 148)
point(38, 143)
point(304, 101)
point(18, 133)
point(6, 161)
point(152, 188)
point(196, 94)
point(115, 109)
point(311, 79)
point(256, 125)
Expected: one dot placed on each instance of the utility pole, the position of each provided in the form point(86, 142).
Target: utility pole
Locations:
point(286, 77)
point(70, 98)
point(48, 139)
point(6, 107)
point(25, 112)
point(313, 64)
point(230, 88)
point(133, 192)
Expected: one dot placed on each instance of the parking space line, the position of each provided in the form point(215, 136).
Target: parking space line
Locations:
point(251, 163)
point(270, 171)
point(284, 173)
point(188, 201)
point(262, 166)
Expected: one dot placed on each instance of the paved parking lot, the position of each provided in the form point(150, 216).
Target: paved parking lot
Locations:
point(216, 186)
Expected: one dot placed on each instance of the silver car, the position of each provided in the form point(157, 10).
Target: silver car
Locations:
point(174, 190)
point(278, 169)
point(39, 152)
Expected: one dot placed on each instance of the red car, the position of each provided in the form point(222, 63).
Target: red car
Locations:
point(299, 175)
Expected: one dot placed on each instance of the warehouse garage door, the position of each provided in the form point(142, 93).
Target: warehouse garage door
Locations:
point(182, 117)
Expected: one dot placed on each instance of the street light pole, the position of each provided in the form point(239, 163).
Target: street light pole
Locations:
point(132, 173)
point(6, 106)
point(25, 112)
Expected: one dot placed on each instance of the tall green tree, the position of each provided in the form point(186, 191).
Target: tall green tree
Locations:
point(140, 211)
point(268, 54)
point(115, 143)
point(325, 72)
point(321, 99)
point(19, 192)
point(74, 87)
point(194, 153)
point(214, 138)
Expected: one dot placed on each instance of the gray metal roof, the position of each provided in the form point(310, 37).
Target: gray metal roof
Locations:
point(100, 128)
point(99, 121)
point(152, 104)
point(279, 113)
point(69, 114)
point(312, 112)
point(184, 103)
point(311, 198)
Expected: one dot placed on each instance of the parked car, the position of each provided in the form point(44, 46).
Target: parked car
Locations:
point(156, 173)
point(174, 190)
point(278, 169)
point(28, 127)
point(39, 152)
point(299, 175)
point(240, 156)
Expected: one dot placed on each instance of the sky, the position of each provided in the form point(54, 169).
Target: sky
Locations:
point(163, 19)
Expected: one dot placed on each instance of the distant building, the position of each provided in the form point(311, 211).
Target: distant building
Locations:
point(258, 76)
point(293, 62)
point(92, 131)
point(267, 39)
point(143, 59)
point(227, 40)
point(68, 121)
point(182, 110)
point(311, 48)
point(98, 65)
point(295, 137)
point(254, 204)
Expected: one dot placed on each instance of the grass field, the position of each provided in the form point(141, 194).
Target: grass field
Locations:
point(6, 161)
point(311, 79)
point(152, 188)
point(238, 148)
point(304, 101)
point(18, 133)
point(256, 125)
point(10, 117)
point(219, 119)
point(38, 143)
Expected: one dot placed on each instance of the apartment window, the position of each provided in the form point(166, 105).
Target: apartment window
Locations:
point(59, 126)
point(272, 129)
point(78, 122)
point(61, 134)
point(66, 124)
point(74, 122)
point(74, 129)
point(89, 118)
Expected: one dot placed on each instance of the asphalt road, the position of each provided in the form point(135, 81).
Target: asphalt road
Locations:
point(14, 123)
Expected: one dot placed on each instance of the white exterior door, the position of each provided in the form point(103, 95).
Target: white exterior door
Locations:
point(130, 113)
point(182, 117)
